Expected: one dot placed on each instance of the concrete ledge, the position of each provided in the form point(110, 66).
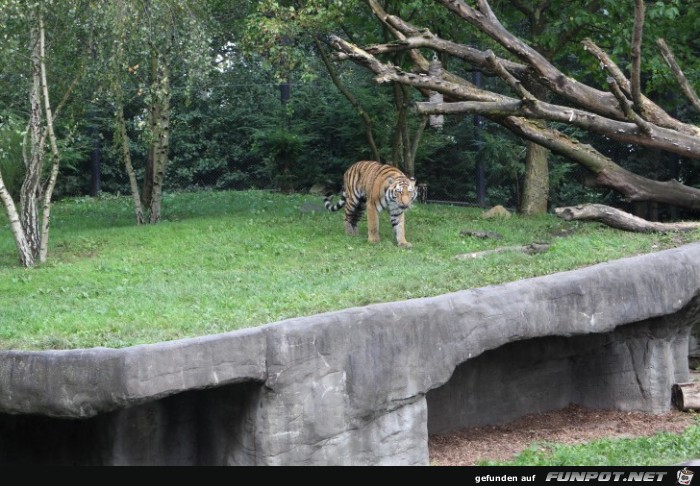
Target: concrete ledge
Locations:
point(350, 387)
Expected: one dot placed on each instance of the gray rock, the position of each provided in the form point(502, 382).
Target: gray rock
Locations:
point(362, 385)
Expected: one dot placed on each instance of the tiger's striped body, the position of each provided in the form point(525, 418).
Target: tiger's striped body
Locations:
point(369, 184)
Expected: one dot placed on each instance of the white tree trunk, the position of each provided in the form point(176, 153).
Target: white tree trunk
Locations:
point(126, 155)
point(160, 124)
point(55, 156)
point(31, 187)
point(26, 255)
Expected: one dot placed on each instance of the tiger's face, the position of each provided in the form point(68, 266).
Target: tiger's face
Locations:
point(402, 192)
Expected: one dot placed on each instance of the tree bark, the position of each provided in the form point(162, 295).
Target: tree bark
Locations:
point(121, 133)
point(26, 255)
point(34, 161)
point(536, 183)
point(512, 114)
point(683, 82)
point(620, 219)
point(686, 396)
point(55, 155)
point(123, 140)
point(30, 224)
point(161, 136)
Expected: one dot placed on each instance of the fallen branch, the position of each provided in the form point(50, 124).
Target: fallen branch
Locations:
point(686, 396)
point(480, 234)
point(531, 249)
point(620, 219)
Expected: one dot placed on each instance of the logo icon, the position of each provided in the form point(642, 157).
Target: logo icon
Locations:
point(684, 476)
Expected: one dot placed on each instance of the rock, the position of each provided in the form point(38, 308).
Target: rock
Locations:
point(362, 386)
point(318, 189)
point(496, 212)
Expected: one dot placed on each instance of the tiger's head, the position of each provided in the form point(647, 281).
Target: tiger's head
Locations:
point(402, 191)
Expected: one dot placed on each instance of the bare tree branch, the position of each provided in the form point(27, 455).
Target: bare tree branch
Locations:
point(659, 137)
point(510, 80)
point(627, 107)
point(609, 113)
point(636, 54)
point(650, 110)
point(600, 102)
point(678, 73)
point(626, 132)
point(607, 64)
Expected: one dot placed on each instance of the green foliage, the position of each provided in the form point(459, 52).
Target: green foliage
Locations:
point(659, 449)
point(280, 150)
point(281, 31)
point(230, 131)
point(11, 161)
point(226, 260)
point(237, 134)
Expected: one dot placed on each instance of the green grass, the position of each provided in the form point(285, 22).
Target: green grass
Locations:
point(659, 449)
point(222, 261)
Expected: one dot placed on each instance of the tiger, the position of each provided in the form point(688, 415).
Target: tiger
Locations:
point(368, 183)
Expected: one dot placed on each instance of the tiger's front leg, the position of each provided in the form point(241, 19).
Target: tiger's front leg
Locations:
point(397, 222)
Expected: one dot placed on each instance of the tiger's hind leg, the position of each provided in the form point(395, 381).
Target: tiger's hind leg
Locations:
point(353, 212)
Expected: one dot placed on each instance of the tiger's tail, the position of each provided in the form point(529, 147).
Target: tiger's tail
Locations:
point(328, 202)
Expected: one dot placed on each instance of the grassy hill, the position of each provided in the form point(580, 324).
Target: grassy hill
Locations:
point(227, 260)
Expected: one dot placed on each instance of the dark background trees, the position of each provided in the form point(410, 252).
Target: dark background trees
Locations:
point(256, 100)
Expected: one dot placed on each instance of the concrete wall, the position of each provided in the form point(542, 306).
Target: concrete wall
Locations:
point(363, 385)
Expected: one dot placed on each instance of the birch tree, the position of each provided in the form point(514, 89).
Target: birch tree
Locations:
point(30, 219)
point(144, 43)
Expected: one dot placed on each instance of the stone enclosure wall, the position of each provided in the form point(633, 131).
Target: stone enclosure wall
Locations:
point(364, 385)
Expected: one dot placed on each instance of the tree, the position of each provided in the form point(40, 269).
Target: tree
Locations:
point(621, 112)
point(144, 44)
point(289, 33)
point(41, 157)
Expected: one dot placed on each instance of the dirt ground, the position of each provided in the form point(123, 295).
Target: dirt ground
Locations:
point(572, 425)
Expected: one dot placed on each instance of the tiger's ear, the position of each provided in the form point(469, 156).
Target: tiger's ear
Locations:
point(390, 180)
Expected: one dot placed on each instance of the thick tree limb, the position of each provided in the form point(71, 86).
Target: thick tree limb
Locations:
point(484, 19)
point(510, 80)
point(602, 112)
point(627, 107)
point(591, 99)
point(389, 73)
point(620, 219)
point(649, 110)
point(627, 132)
point(608, 174)
point(636, 55)
point(678, 73)
point(415, 38)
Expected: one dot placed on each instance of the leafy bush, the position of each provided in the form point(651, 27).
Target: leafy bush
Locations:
point(11, 161)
